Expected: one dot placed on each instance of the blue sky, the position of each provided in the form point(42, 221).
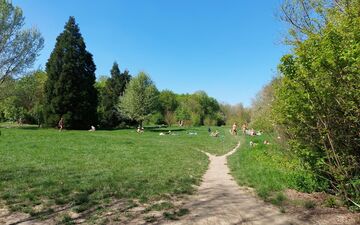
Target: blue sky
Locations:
point(228, 48)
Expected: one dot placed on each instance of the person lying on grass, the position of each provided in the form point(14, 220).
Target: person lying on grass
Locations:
point(166, 133)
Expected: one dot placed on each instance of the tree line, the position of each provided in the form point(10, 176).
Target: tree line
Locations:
point(68, 89)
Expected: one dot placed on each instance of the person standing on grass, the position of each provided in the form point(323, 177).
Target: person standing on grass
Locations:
point(243, 128)
point(234, 129)
point(61, 124)
point(20, 121)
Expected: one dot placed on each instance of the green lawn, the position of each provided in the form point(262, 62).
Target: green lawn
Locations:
point(83, 169)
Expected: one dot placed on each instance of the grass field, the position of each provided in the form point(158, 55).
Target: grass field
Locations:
point(83, 169)
point(268, 169)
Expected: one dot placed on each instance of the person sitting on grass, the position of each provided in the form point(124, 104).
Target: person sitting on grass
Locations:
point(252, 144)
point(140, 129)
point(252, 132)
point(214, 134)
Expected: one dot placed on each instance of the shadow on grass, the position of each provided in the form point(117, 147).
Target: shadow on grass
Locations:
point(30, 128)
point(24, 127)
point(172, 129)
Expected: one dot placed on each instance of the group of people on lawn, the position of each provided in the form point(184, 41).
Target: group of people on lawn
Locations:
point(140, 129)
point(245, 130)
point(234, 131)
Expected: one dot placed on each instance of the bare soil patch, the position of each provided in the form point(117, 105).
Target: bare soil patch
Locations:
point(320, 213)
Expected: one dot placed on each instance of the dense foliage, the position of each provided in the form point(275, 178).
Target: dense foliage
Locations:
point(199, 109)
point(235, 114)
point(109, 114)
point(22, 100)
point(261, 108)
point(140, 99)
point(318, 98)
point(168, 105)
point(70, 91)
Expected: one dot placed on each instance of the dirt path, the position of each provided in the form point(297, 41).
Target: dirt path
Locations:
point(221, 201)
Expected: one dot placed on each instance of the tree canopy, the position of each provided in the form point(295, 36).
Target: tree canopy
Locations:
point(23, 99)
point(140, 99)
point(18, 47)
point(110, 116)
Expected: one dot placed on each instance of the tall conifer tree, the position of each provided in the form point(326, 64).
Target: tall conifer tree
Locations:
point(114, 88)
point(69, 90)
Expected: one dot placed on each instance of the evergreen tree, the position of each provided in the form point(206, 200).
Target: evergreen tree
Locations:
point(69, 90)
point(114, 88)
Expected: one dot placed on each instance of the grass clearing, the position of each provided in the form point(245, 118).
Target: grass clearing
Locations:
point(44, 167)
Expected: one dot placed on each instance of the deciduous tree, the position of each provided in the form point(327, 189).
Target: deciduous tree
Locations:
point(140, 99)
point(318, 98)
point(18, 47)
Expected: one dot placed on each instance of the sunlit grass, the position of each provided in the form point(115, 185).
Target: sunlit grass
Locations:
point(268, 169)
point(83, 169)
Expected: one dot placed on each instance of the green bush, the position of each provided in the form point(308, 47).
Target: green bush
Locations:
point(317, 96)
point(305, 182)
point(331, 202)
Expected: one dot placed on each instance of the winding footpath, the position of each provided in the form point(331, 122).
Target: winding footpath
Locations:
point(220, 201)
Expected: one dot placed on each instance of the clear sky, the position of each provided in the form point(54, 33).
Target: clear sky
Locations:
point(228, 48)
